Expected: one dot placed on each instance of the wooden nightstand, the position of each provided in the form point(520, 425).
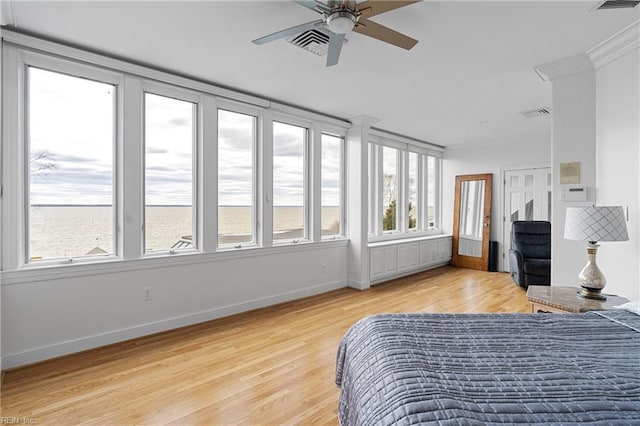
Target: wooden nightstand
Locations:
point(565, 300)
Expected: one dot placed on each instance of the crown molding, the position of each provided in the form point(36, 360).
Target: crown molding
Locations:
point(407, 140)
point(618, 45)
point(564, 67)
point(8, 13)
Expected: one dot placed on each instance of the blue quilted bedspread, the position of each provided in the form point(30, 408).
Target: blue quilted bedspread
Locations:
point(478, 369)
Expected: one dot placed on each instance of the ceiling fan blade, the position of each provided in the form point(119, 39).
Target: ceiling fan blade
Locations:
point(289, 31)
point(335, 46)
point(313, 5)
point(374, 7)
point(382, 33)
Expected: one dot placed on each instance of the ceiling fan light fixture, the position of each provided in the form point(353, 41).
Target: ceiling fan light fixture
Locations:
point(341, 22)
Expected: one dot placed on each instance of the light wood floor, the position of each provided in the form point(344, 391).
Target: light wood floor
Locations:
point(272, 366)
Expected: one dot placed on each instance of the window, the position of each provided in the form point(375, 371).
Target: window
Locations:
point(169, 131)
point(389, 189)
point(236, 177)
point(71, 131)
point(96, 169)
point(331, 185)
point(403, 190)
point(413, 206)
point(289, 158)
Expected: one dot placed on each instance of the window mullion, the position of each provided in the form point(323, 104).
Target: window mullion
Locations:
point(15, 168)
point(132, 164)
point(314, 185)
point(207, 172)
point(265, 187)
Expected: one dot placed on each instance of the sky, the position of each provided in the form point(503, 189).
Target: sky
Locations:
point(71, 134)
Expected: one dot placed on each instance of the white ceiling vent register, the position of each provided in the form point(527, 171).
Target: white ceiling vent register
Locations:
point(616, 4)
point(538, 112)
point(315, 41)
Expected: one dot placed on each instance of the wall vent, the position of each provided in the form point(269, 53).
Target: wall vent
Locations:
point(538, 112)
point(616, 4)
point(315, 41)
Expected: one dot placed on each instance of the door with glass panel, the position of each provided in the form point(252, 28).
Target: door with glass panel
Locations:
point(527, 196)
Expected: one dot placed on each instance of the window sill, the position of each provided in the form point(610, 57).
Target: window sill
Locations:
point(30, 273)
point(409, 236)
point(404, 238)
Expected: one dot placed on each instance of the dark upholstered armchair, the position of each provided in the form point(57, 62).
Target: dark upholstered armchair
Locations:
point(530, 253)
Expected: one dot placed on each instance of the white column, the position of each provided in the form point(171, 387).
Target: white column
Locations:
point(357, 203)
point(573, 139)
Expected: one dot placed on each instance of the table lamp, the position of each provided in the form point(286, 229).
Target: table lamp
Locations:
point(593, 224)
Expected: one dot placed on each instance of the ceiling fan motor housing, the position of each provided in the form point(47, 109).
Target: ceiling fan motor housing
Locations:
point(341, 21)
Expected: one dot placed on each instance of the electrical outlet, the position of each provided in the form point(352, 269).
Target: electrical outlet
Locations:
point(323, 268)
point(147, 293)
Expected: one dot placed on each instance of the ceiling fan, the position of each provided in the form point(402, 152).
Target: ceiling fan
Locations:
point(341, 16)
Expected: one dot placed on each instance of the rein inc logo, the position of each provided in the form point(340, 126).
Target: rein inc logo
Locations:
point(15, 420)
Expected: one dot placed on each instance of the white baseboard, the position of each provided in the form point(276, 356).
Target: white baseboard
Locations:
point(35, 355)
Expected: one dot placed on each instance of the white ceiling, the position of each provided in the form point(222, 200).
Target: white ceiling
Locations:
point(473, 63)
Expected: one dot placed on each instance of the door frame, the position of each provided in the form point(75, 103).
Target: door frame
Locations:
point(502, 258)
point(480, 263)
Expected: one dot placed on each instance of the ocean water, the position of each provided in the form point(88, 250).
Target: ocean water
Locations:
point(70, 231)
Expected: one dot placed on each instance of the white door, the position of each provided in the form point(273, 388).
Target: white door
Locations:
point(527, 196)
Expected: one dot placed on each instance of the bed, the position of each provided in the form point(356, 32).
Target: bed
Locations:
point(478, 369)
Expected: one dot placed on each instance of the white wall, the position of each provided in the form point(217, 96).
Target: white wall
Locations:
point(617, 167)
point(532, 151)
point(49, 317)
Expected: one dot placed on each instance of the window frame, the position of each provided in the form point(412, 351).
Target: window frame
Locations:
point(184, 95)
point(308, 163)
point(342, 173)
point(419, 192)
point(241, 108)
point(375, 174)
point(25, 60)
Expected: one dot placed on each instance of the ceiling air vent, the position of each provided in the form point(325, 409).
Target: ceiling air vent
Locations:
point(616, 4)
point(538, 112)
point(314, 41)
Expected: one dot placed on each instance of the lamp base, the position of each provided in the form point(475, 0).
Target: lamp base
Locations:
point(591, 293)
point(590, 278)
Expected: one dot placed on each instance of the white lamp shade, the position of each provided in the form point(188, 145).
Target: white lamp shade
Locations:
point(597, 223)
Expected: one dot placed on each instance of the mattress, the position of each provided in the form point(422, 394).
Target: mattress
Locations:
point(478, 369)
